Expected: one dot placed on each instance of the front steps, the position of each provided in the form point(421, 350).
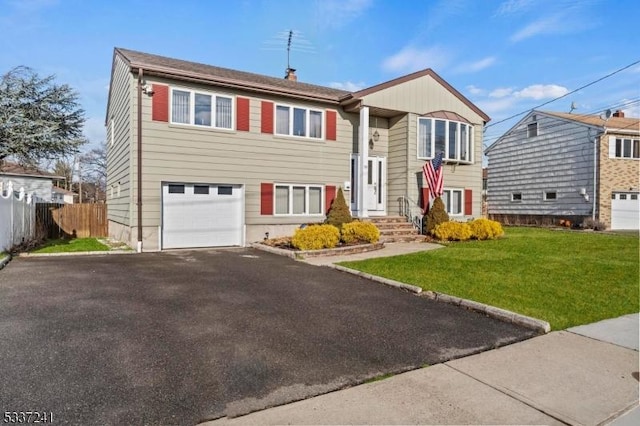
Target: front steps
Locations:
point(395, 229)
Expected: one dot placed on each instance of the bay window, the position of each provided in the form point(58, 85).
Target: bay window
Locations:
point(201, 109)
point(297, 121)
point(294, 199)
point(453, 139)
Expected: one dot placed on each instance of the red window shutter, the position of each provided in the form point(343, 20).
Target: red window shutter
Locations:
point(160, 105)
point(242, 114)
point(331, 125)
point(329, 196)
point(468, 202)
point(266, 198)
point(425, 199)
point(267, 117)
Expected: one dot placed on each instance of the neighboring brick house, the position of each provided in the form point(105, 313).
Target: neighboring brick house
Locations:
point(229, 157)
point(560, 166)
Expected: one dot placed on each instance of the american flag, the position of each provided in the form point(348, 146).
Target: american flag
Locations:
point(433, 174)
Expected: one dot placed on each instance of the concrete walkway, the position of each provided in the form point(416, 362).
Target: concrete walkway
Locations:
point(586, 375)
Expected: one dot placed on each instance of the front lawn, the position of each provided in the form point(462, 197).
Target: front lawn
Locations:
point(63, 245)
point(567, 278)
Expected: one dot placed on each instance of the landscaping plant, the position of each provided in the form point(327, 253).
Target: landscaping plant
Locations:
point(359, 232)
point(453, 231)
point(485, 229)
point(437, 214)
point(316, 237)
point(339, 213)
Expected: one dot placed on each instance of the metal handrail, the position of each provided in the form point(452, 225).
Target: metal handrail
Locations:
point(411, 210)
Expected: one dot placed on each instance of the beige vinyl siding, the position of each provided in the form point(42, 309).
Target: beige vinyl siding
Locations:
point(119, 169)
point(397, 178)
point(179, 153)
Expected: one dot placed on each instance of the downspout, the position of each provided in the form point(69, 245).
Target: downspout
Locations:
point(139, 143)
point(595, 176)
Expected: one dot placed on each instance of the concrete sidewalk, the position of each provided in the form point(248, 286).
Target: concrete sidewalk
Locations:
point(563, 377)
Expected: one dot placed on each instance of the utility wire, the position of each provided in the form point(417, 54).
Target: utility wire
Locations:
point(566, 94)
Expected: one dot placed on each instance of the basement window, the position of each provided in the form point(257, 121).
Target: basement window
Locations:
point(550, 196)
point(516, 197)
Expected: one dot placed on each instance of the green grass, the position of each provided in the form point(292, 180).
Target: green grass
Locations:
point(567, 278)
point(68, 246)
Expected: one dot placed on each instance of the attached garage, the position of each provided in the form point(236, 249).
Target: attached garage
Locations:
point(625, 210)
point(202, 215)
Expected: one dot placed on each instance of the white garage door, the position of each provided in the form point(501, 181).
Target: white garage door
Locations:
point(200, 215)
point(625, 210)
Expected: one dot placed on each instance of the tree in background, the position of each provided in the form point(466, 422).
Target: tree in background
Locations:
point(39, 119)
point(94, 166)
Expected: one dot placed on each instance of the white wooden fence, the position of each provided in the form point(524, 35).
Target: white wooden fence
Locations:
point(17, 217)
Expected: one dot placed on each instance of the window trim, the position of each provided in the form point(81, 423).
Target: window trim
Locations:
point(470, 136)
point(620, 141)
point(306, 186)
point(546, 194)
point(515, 199)
point(450, 191)
point(530, 133)
point(307, 116)
point(192, 107)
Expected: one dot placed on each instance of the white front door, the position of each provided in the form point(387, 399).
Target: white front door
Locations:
point(376, 175)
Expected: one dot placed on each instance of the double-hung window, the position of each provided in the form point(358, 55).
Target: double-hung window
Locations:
point(201, 109)
point(452, 199)
point(453, 139)
point(298, 121)
point(294, 199)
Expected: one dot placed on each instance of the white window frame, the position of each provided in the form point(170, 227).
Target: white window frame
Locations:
point(306, 187)
point(450, 192)
point(514, 199)
point(622, 140)
point(545, 196)
point(307, 116)
point(447, 157)
point(192, 108)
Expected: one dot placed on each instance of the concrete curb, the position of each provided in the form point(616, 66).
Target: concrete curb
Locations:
point(386, 281)
point(77, 253)
point(501, 314)
point(5, 260)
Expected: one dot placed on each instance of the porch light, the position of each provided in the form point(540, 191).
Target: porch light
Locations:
point(376, 136)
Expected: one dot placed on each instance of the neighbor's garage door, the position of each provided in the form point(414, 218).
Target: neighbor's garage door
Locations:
point(625, 210)
point(198, 215)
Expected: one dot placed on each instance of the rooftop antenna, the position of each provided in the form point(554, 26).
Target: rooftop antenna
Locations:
point(289, 48)
point(573, 106)
point(295, 42)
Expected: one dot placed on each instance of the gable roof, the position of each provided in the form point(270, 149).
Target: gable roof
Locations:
point(193, 71)
point(62, 191)
point(178, 69)
point(613, 123)
point(14, 169)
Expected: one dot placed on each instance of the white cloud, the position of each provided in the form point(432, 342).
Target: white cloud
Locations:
point(348, 85)
point(476, 91)
point(542, 91)
point(511, 7)
point(410, 59)
point(337, 13)
point(476, 66)
point(501, 92)
point(548, 25)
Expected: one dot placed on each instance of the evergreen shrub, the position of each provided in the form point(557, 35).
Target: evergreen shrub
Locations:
point(485, 229)
point(316, 237)
point(360, 232)
point(453, 231)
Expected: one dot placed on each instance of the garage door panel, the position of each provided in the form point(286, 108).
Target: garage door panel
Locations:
point(202, 216)
point(625, 211)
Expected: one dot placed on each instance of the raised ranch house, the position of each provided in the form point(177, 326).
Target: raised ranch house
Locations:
point(230, 157)
point(558, 166)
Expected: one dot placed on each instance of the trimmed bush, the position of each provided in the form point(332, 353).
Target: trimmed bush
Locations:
point(437, 215)
point(316, 237)
point(596, 225)
point(339, 213)
point(453, 231)
point(485, 229)
point(359, 232)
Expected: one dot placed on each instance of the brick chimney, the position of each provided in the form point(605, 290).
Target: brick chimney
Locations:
point(291, 74)
point(619, 113)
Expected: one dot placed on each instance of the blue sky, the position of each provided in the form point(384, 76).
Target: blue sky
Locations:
point(506, 56)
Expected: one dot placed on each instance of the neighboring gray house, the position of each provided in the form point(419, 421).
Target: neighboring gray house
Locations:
point(229, 157)
point(62, 196)
point(558, 166)
point(32, 180)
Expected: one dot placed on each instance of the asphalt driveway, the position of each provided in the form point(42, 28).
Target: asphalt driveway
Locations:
point(186, 336)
